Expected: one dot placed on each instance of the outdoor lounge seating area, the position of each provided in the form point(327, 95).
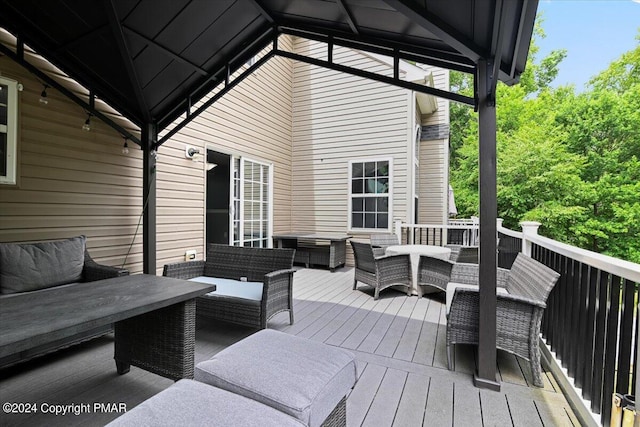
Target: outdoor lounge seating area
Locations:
point(399, 343)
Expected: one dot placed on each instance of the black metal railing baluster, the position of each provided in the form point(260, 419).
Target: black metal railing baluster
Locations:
point(575, 319)
point(583, 284)
point(613, 313)
point(589, 343)
point(600, 342)
point(566, 323)
point(625, 338)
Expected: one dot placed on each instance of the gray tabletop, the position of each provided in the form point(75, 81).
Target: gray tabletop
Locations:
point(34, 318)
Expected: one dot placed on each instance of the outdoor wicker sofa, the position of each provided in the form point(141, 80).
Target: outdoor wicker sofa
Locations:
point(380, 272)
point(35, 267)
point(253, 284)
point(521, 299)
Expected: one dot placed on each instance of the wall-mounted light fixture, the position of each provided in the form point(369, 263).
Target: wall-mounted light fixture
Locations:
point(43, 95)
point(191, 152)
point(125, 147)
point(87, 123)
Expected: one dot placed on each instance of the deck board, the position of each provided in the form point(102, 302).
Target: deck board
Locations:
point(411, 408)
point(466, 405)
point(385, 404)
point(398, 341)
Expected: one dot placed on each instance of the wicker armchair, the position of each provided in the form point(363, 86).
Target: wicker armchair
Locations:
point(466, 254)
point(381, 272)
point(519, 309)
point(434, 272)
point(380, 242)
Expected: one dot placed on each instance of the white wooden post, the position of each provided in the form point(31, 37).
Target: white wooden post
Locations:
point(528, 228)
point(398, 227)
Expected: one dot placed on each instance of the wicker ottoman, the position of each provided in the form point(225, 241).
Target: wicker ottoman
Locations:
point(191, 403)
point(305, 379)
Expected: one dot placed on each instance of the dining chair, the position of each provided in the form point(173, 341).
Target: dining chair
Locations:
point(520, 303)
point(380, 242)
point(380, 272)
point(434, 272)
point(466, 254)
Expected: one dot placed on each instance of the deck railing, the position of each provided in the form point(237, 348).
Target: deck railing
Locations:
point(590, 320)
point(456, 232)
point(590, 324)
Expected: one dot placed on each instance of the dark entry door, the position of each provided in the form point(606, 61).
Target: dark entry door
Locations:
point(218, 198)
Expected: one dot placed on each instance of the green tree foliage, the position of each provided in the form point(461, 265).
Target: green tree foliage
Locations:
point(570, 161)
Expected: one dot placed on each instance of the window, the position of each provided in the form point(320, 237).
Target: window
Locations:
point(8, 130)
point(370, 183)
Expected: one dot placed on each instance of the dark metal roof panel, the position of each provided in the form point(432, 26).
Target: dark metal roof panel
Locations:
point(146, 57)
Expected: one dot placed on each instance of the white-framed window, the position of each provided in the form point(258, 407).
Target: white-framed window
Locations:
point(8, 130)
point(416, 172)
point(370, 183)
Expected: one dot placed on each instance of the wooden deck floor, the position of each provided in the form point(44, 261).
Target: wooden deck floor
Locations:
point(398, 342)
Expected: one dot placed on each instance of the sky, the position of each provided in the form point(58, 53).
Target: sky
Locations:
point(594, 33)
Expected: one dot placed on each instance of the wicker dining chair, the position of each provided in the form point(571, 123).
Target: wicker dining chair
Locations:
point(380, 272)
point(434, 272)
point(519, 309)
point(380, 242)
point(466, 254)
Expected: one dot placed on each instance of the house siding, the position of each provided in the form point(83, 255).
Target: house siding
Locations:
point(253, 120)
point(338, 118)
point(70, 182)
point(308, 122)
point(433, 182)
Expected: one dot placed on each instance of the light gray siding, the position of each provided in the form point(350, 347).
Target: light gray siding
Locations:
point(254, 120)
point(70, 182)
point(338, 118)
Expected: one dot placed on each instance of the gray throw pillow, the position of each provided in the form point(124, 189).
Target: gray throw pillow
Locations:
point(31, 266)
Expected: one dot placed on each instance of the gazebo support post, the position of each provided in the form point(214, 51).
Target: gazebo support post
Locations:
point(485, 377)
point(149, 136)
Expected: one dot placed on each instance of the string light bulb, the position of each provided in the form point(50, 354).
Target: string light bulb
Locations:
point(87, 123)
point(43, 95)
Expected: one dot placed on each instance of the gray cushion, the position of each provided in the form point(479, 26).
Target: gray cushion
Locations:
point(190, 403)
point(233, 288)
point(303, 378)
point(31, 266)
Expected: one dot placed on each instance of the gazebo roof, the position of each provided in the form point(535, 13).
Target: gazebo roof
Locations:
point(151, 60)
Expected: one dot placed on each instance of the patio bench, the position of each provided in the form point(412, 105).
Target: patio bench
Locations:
point(34, 268)
point(253, 284)
point(192, 403)
point(305, 379)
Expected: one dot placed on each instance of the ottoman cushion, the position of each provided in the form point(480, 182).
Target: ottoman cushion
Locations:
point(190, 403)
point(300, 377)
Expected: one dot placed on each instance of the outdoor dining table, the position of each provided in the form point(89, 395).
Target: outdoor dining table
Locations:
point(415, 251)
